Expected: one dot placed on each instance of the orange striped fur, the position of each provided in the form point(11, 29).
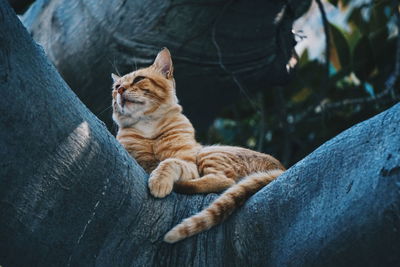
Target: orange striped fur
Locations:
point(154, 131)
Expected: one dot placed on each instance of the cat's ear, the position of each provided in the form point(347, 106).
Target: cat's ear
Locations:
point(115, 77)
point(163, 63)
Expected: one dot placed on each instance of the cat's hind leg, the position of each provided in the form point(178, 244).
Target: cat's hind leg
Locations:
point(210, 183)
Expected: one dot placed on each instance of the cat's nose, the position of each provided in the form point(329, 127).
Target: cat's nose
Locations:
point(121, 90)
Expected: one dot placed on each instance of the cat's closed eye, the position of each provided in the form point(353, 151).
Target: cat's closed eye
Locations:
point(138, 79)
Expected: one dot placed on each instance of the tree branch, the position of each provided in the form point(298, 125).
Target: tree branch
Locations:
point(325, 22)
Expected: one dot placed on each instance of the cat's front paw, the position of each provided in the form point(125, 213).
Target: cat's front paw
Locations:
point(160, 186)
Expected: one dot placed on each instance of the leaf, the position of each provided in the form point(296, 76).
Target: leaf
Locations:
point(301, 95)
point(378, 42)
point(310, 75)
point(332, 70)
point(304, 58)
point(369, 89)
point(357, 22)
point(333, 2)
point(340, 51)
point(363, 60)
point(378, 18)
point(343, 4)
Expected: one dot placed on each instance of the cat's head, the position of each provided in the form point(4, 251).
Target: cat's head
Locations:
point(144, 92)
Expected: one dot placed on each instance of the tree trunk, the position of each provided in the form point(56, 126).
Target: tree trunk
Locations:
point(71, 196)
point(223, 49)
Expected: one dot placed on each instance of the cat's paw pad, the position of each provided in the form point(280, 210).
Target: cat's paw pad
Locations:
point(160, 186)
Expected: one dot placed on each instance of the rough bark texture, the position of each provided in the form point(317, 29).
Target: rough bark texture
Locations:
point(71, 196)
point(213, 43)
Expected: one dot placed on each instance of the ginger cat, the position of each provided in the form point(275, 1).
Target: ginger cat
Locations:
point(154, 131)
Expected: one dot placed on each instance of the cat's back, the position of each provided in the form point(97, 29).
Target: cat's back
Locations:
point(236, 152)
point(238, 161)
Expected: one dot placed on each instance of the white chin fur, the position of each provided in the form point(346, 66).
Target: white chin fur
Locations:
point(119, 100)
point(127, 115)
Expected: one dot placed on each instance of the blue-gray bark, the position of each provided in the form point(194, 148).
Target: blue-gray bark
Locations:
point(71, 196)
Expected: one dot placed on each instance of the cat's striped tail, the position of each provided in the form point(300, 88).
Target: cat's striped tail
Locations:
point(221, 207)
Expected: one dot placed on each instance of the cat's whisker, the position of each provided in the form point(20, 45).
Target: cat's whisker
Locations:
point(114, 65)
point(134, 61)
point(104, 110)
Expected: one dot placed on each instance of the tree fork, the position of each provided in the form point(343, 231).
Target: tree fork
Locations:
point(71, 196)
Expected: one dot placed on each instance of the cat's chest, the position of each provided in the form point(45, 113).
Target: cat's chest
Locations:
point(141, 149)
point(143, 152)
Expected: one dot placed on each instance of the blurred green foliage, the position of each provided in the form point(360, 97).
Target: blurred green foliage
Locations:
point(290, 122)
